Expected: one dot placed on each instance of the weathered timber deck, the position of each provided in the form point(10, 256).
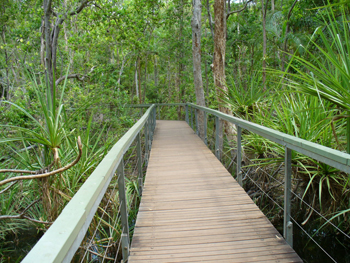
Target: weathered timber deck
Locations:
point(192, 210)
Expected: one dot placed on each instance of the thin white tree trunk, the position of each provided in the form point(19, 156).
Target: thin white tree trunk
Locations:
point(136, 81)
point(197, 69)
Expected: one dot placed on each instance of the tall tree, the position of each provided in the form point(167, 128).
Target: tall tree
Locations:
point(197, 69)
point(51, 36)
point(219, 62)
point(263, 12)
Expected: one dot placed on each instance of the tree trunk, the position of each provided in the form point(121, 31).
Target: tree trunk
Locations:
point(121, 69)
point(145, 80)
point(5, 86)
point(180, 61)
point(42, 41)
point(136, 80)
point(219, 63)
point(51, 37)
point(139, 79)
point(155, 71)
point(263, 12)
point(197, 68)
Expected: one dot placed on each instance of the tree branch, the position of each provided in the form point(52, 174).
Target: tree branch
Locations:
point(79, 8)
point(238, 11)
point(27, 177)
point(23, 216)
point(70, 76)
point(210, 20)
point(291, 9)
point(43, 170)
point(286, 35)
point(3, 191)
point(18, 171)
point(73, 76)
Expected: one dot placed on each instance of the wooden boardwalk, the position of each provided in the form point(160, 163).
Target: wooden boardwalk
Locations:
point(192, 210)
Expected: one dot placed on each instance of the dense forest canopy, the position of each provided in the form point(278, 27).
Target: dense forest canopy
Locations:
point(68, 68)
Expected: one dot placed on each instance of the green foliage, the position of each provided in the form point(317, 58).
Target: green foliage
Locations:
point(326, 74)
point(247, 101)
point(49, 130)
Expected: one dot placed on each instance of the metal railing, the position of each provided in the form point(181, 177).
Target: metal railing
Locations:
point(63, 238)
point(318, 152)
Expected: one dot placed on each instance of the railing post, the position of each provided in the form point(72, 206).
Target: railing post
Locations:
point(186, 110)
point(123, 211)
point(287, 224)
point(192, 118)
point(154, 120)
point(196, 120)
point(139, 163)
point(158, 107)
point(150, 132)
point(239, 155)
point(205, 128)
point(217, 138)
point(146, 142)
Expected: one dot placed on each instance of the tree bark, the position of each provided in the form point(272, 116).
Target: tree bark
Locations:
point(136, 80)
point(6, 85)
point(210, 20)
point(263, 11)
point(219, 63)
point(197, 68)
point(139, 79)
point(155, 71)
point(180, 60)
point(42, 43)
point(122, 69)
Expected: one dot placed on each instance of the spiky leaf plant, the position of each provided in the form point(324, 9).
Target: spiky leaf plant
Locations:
point(47, 130)
point(246, 101)
point(326, 73)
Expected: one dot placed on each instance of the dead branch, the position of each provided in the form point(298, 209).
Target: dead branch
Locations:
point(23, 216)
point(3, 191)
point(43, 170)
point(73, 76)
point(240, 10)
point(97, 254)
point(43, 175)
point(17, 171)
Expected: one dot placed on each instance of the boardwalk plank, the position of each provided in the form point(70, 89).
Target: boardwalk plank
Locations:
point(192, 210)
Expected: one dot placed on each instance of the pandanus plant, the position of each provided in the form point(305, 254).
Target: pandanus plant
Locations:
point(48, 132)
point(326, 74)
